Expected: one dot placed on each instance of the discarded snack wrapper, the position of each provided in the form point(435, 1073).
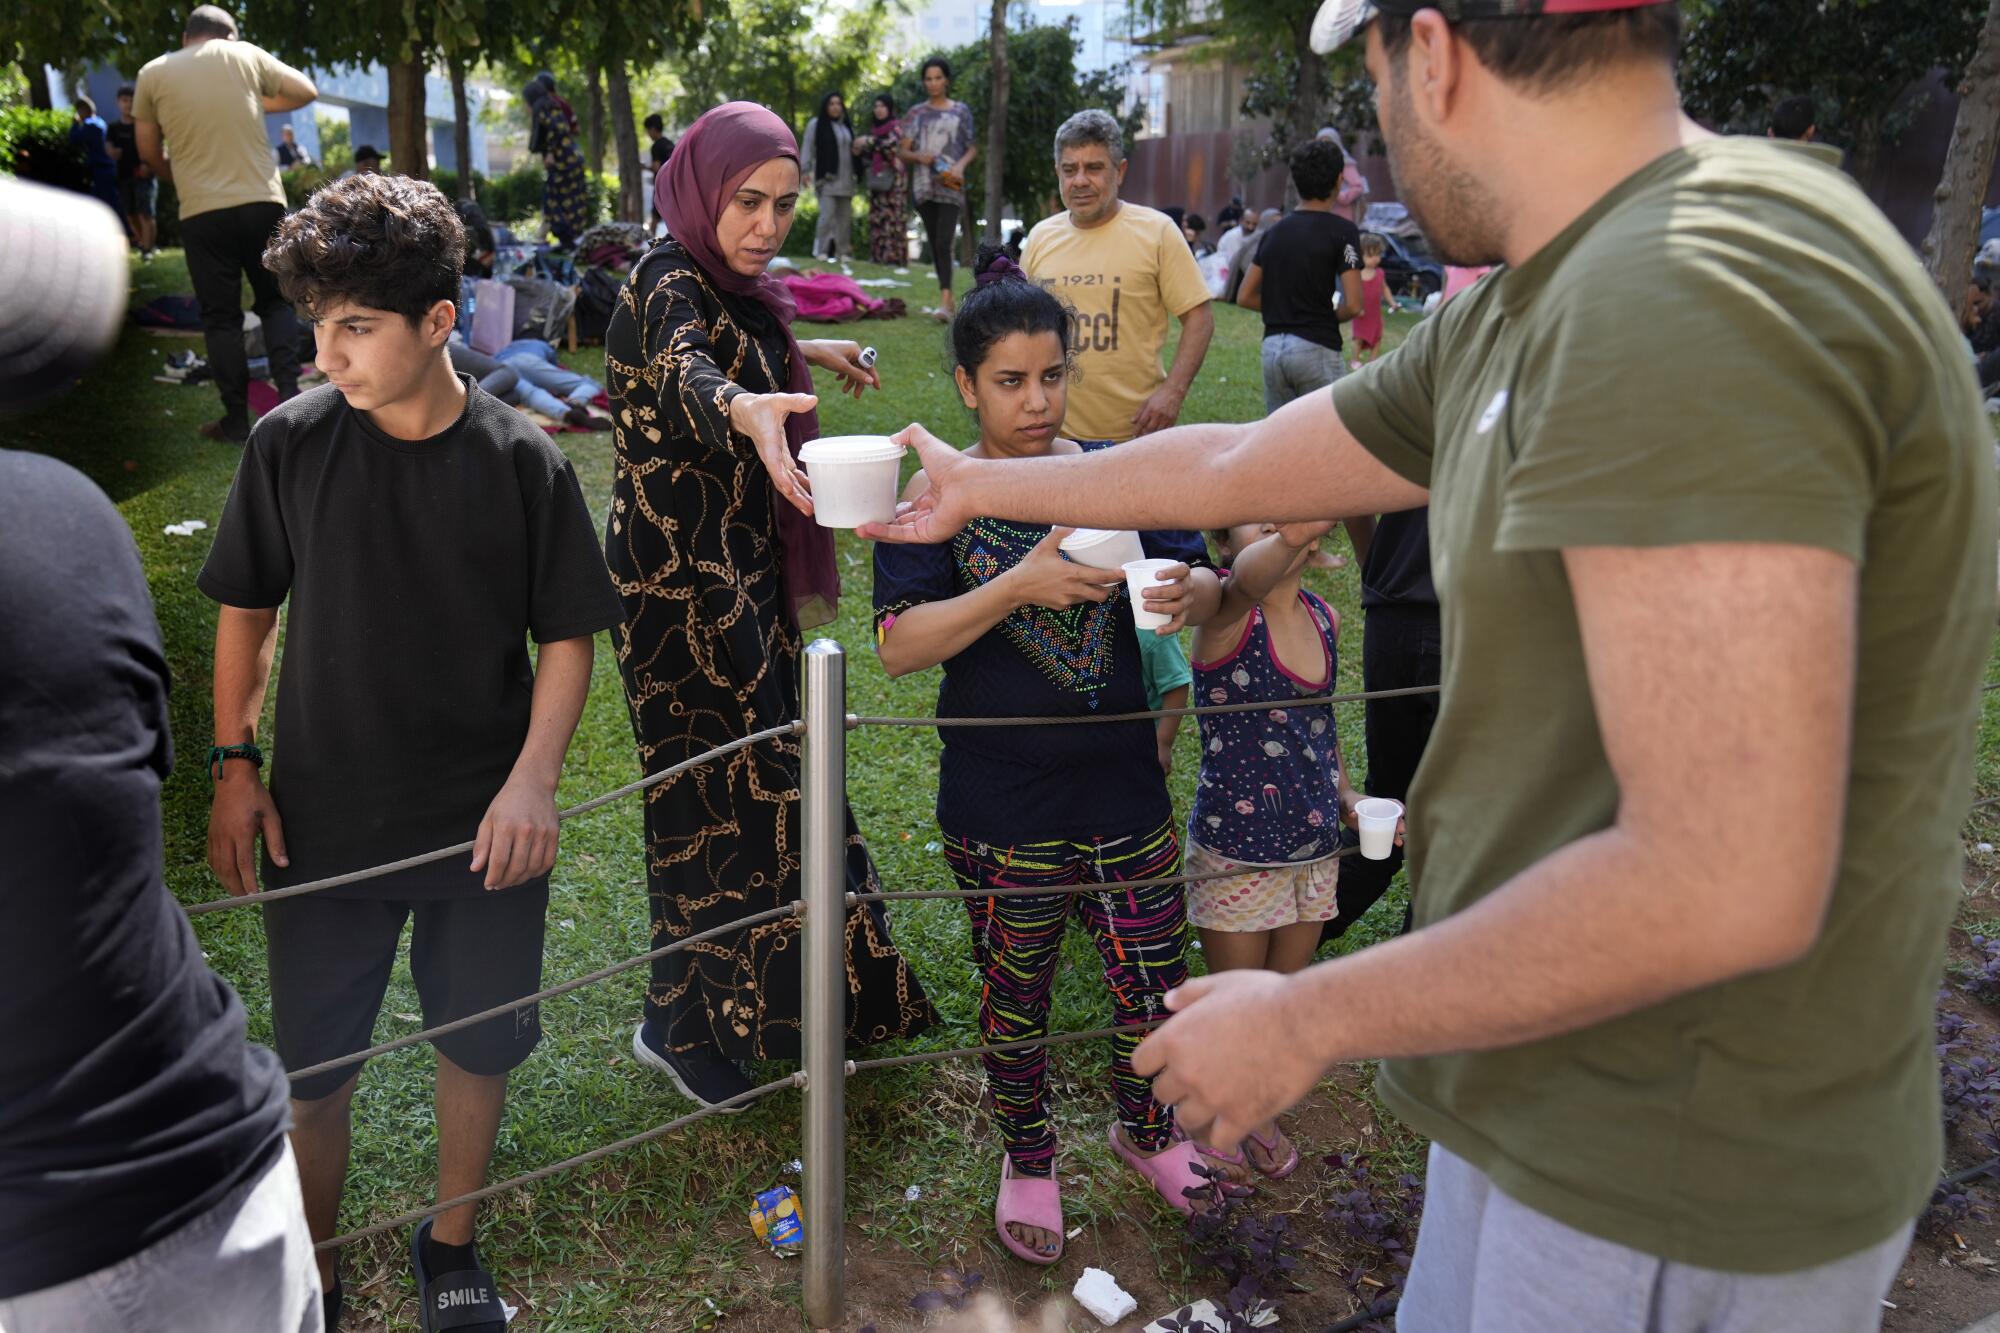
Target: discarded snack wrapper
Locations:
point(777, 1223)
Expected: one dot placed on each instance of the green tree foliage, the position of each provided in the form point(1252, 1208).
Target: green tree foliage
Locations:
point(786, 55)
point(72, 33)
point(1855, 58)
point(1047, 90)
point(336, 146)
point(1289, 82)
point(35, 146)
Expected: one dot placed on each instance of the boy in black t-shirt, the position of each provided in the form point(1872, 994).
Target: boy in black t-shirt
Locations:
point(424, 532)
point(1306, 279)
point(658, 153)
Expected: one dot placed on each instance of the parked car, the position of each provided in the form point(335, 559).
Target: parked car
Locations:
point(1408, 265)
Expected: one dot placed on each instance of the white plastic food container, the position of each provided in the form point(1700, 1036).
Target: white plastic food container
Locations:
point(1103, 548)
point(854, 478)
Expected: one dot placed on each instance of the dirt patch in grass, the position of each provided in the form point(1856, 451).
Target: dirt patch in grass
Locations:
point(1952, 1275)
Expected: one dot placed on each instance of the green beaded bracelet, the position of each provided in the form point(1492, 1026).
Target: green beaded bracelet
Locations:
point(218, 753)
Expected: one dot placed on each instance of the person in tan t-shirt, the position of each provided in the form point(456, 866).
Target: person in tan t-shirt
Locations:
point(206, 102)
point(1124, 269)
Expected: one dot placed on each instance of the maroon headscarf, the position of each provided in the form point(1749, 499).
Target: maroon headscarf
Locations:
point(709, 165)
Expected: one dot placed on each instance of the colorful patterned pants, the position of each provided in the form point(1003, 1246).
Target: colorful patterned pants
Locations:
point(1017, 942)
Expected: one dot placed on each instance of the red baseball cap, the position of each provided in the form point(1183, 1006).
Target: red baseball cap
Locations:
point(1339, 20)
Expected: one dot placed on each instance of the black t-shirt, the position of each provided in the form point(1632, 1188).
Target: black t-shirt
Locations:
point(417, 571)
point(130, 1103)
point(1303, 257)
point(1397, 571)
point(122, 135)
point(662, 149)
point(1010, 785)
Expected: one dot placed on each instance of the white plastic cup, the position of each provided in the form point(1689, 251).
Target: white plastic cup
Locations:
point(1103, 548)
point(854, 478)
point(1139, 576)
point(1378, 816)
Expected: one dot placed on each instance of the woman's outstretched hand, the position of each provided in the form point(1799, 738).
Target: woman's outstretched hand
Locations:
point(843, 359)
point(761, 417)
point(939, 512)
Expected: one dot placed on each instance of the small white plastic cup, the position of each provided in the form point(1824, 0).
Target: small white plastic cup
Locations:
point(1139, 576)
point(854, 478)
point(1377, 816)
point(1103, 548)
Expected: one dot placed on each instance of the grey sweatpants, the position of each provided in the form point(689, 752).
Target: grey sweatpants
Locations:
point(246, 1263)
point(836, 224)
point(1486, 1263)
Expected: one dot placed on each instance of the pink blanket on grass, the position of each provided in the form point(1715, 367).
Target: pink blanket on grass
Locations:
point(830, 298)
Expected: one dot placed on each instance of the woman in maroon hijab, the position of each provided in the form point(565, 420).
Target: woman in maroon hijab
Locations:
point(720, 567)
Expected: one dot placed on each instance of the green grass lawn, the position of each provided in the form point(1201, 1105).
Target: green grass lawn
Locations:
point(656, 1238)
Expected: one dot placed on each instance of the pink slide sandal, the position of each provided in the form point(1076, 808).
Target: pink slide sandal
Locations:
point(1230, 1188)
point(1172, 1172)
point(1270, 1149)
point(1029, 1201)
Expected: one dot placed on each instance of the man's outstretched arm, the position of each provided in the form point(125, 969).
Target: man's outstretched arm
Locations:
point(1732, 658)
point(1299, 464)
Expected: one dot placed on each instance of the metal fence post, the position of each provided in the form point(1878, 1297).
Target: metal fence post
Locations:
point(824, 997)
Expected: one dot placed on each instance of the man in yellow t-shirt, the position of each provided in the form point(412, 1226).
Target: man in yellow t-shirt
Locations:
point(206, 102)
point(1124, 269)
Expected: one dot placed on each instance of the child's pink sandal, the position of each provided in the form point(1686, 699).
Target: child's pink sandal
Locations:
point(1269, 1147)
point(1173, 1172)
point(1230, 1188)
point(1028, 1201)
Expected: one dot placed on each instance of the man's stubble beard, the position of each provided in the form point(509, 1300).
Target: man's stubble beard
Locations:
point(1456, 213)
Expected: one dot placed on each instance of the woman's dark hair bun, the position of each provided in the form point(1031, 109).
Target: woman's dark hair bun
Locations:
point(1004, 300)
point(989, 251)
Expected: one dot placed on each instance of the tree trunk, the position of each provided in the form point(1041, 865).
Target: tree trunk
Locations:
point(625, 135)
point(461, 129)
point(38, 84)
point(409, 146)
point(1304, 116)
point(594, 132)
point(996, 120)
point(1968, 168)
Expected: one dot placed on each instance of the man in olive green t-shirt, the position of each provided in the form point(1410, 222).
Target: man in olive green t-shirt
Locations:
point(1712, 506)
point(204, 104)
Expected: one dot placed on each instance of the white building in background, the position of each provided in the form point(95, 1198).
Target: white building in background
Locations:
point(360, 94)
point(938, 25)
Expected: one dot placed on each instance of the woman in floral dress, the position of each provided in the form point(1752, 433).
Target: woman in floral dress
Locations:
point(565, 201)
point(882, 173)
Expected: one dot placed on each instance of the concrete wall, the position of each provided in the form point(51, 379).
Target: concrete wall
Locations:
point(1192, 170)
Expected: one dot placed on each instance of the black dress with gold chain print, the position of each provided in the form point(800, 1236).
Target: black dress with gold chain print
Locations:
point(709, 652)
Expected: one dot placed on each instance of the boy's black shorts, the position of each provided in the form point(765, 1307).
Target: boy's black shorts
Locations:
point(331, 958)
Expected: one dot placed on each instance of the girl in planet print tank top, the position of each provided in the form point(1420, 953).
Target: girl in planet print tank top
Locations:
point(1272, 791)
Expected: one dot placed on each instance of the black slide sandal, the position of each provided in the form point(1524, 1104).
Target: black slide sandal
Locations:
point(468, 1298)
